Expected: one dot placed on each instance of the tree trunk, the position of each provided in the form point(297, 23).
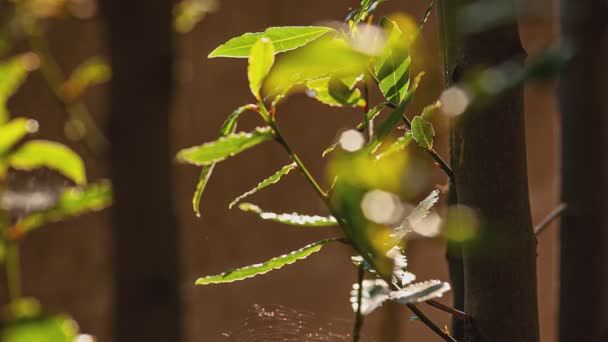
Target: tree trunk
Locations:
point(147, 306)
point(583, 101)
point(489, 160)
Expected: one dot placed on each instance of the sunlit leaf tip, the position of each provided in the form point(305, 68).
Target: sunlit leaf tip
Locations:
point(275, 178)
point(293, 219)
point(265, 267)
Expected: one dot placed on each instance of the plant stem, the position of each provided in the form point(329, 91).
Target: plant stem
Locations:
point(454, 312)
point(430, 324)
point(13, 274)
point(358, 315)
point(94, 139)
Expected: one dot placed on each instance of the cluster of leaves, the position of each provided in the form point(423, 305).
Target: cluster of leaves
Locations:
point(335, 67)
point(22, 213)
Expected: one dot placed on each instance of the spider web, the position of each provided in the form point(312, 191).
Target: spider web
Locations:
point(277, 323)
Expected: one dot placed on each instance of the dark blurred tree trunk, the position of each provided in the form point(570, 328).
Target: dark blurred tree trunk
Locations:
point(583, 98)
point(147, 306)
point(489, 161)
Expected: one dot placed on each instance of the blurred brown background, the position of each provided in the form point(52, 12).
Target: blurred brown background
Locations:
point(68, 265)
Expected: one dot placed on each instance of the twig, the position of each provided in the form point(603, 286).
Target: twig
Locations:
point(430, 324)
point(554, 214)
point(358, 315)
point(454, 312)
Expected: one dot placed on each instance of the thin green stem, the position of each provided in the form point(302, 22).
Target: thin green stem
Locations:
point(358, 315)
point(13, 273)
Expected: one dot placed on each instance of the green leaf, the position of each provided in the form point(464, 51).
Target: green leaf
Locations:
point(334, 92)
point(72, 202)
point(294, 219)
point(393, 65)
point(323, 58)
point(91, 72)
point(42, 153)
point(265, 183)
point(284, 39)
point(420, 292)
point(12, 73)
point(228, 127)
point(224, 147)
point(15, 130)
point(423, 132)
point(261, 59)
point(265, 267)
point(58, 328)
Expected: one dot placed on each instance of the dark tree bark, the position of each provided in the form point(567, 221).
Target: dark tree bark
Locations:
point(147, 306)
point(489, 160)
point(583, 101)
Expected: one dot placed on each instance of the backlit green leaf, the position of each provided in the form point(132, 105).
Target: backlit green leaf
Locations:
point(42, 153)
point(265, 183)
point(72, 202)
point(15, 130)
point(261, 59)
point(290, 219)
point(323, 58)
point(228, 127)
point(334, 92)
point(393, 65)
point(423, 132)
point(224, 147)
point(284, 39)
point(265, 267)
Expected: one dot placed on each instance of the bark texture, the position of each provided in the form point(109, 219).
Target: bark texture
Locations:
point(489, 160)
point(147, 304)
point(583, 102)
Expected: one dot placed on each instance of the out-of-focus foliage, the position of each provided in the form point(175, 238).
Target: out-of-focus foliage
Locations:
point(91, 72)
point(12, 73)
point(41, 153)
point(72, 202)
point(23, 210)
point(188, 13)
point(27, 323)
